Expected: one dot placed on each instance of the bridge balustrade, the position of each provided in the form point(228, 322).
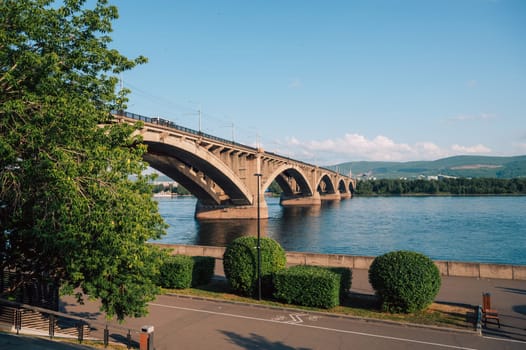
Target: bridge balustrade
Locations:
point(171, 124)
point(168, 123)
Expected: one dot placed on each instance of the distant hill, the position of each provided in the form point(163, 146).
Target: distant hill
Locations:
point(459, 166)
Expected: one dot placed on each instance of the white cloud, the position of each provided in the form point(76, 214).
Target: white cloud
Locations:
point(352, 147)
point(477, 149)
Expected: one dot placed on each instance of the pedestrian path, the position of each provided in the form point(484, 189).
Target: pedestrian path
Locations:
point(507, 296)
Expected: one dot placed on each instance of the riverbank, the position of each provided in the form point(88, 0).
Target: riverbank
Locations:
point(446, 268)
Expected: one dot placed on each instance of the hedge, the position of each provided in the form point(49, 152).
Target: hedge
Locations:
point(240, 264)
point(306, 285)
point(181, 271)
point(203, 270)
point(176, 272)
point(345, 279)
point(404, 281)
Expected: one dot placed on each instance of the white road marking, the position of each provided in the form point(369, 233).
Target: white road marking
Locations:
point(314, 327)
point(507, 340)
point(296, 318)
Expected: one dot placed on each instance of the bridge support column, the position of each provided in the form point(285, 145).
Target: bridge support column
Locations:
point(331, 196)
point(230, 212)
point(345, 195)
point(300, 200)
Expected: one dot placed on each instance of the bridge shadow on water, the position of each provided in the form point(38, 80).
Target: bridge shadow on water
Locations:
point(256, 341)
point(287, 220)
point(222, 232)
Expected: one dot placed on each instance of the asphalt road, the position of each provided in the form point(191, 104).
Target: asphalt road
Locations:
point(187, 323)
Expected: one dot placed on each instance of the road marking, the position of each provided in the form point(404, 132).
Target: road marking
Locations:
point(296, 318)
point(314, 327)
point(507, 340)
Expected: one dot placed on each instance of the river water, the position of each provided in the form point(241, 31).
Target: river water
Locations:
point(487, 229)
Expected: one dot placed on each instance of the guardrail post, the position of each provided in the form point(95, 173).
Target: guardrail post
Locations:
point(478, 319)
point(51, 326)
point(18, 320)
point(106, 336)
point(80, 330)
point(129, 339)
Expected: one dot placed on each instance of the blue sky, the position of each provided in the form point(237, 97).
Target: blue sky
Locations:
point(335, 81)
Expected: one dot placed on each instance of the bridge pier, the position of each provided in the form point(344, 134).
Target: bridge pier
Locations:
point(230, 212)
point(345, 195)
point(300, 200)
point(331, 196)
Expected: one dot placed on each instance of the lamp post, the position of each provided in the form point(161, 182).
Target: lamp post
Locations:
point(258, 175)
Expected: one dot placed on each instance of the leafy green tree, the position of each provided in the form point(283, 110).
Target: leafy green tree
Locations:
point(70, 213)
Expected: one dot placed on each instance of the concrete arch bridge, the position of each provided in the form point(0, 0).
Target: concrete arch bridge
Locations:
point(227, 177)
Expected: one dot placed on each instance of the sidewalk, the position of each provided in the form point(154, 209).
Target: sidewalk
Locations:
point(507, 296)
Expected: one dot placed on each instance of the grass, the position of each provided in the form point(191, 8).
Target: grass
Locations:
point(357, 305)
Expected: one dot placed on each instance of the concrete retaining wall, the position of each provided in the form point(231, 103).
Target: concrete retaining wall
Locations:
point(446, 268)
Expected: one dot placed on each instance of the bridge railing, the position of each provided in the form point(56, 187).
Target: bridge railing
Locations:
point(172, 125)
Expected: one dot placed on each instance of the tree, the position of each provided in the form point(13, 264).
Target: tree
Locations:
point(70, 212)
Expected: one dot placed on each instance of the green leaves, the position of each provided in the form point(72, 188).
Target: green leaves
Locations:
point(71, 211)
point(405, 281)
point(240, 263)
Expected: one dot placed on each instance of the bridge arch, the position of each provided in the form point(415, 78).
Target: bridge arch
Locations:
point(194, 167)
point(292, 180)
point(326, 185)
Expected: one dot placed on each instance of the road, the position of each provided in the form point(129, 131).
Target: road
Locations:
point(194, 323)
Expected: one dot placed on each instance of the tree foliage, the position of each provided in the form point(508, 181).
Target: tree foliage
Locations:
point(69, 211)
point(448, 186)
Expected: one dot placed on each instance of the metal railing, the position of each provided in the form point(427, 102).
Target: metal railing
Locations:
point(26, 318)
point(172, 125)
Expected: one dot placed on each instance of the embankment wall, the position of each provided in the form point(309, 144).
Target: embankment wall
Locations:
point(447, 268)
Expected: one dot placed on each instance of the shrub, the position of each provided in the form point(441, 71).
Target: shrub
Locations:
point(240, 264)
point(203, 270)
point(181, 271)
point(306, 285)
point(404, 281)
point(176, 272)
point(345, 279)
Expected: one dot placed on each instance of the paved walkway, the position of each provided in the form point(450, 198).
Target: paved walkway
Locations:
point(507, 296)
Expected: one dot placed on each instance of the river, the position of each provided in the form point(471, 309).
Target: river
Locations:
point(490, 229)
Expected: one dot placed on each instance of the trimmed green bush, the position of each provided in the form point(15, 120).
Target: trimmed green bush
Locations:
point(313, 286)
point(240, 264)
point(203, 270)
point(345, 279)
point(176, 272)
point(404, 281)
point(182, 271)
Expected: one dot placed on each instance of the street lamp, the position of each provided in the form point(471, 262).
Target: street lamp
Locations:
point(258, 175)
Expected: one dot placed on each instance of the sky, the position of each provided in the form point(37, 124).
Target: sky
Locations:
point(330, 81)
